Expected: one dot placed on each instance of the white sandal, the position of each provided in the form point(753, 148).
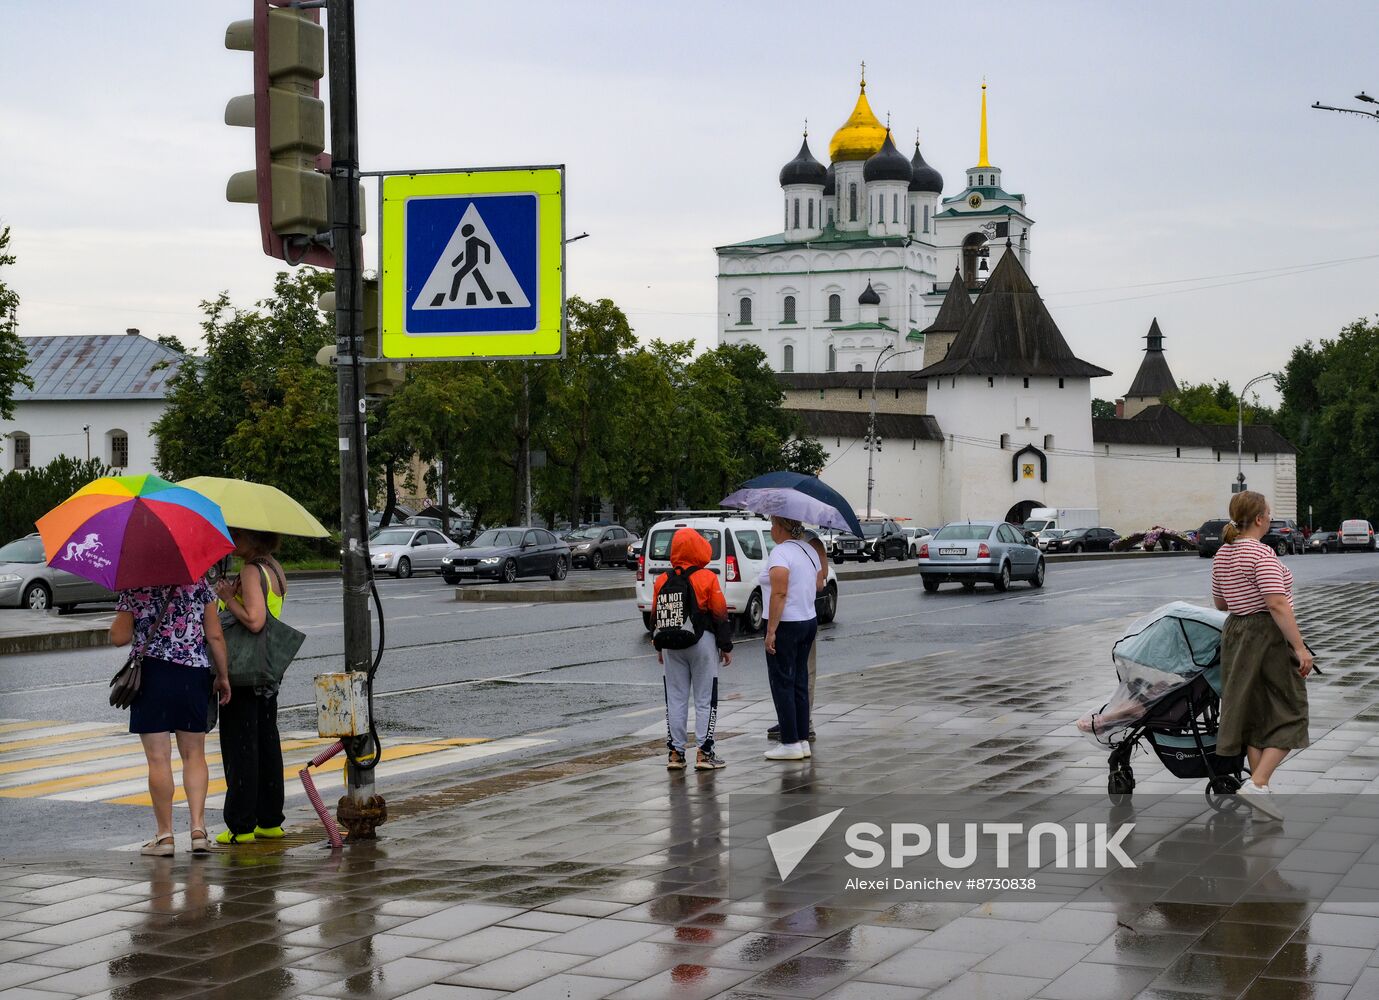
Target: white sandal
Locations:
point(201, 843)
point(159, 847)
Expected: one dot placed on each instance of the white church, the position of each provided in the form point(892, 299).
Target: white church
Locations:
point(880, 295)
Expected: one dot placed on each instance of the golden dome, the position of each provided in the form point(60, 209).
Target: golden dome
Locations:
point(861, 136)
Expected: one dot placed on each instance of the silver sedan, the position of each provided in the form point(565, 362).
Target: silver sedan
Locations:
point(27, 581)
point(971, 552)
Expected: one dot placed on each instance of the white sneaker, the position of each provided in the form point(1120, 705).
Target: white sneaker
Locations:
point(1258, 798)
point(804, 748)
point(786, 751)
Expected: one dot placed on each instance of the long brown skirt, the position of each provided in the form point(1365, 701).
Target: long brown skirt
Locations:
point(1263, 700)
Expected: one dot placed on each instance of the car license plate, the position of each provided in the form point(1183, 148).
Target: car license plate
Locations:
point(952, 552)
point(464, 569)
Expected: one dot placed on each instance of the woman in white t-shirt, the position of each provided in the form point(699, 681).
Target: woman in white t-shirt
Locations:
point(787, 589)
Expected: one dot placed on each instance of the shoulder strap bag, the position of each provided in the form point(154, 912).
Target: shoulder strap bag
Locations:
point(260, 659)
point(129, 679)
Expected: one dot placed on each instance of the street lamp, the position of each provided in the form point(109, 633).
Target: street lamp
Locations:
point(873, 446)
point(1240, 433)
point(1361, 96)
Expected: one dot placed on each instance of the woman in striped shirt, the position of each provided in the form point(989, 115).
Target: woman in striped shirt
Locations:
point(1263, 657)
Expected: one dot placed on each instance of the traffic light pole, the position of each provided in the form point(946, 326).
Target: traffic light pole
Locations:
point(360, 810)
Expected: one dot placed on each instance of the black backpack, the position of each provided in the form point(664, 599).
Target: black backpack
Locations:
point(676, 620)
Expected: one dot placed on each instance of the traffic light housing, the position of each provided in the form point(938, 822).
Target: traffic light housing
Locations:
point(381, 378)
point(290, 182)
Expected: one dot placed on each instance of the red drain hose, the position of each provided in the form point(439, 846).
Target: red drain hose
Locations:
point(332, 831)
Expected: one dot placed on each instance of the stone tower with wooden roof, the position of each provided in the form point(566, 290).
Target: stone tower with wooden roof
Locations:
point(1154, 380)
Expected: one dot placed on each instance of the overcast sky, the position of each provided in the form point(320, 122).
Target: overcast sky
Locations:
point(1168, 151)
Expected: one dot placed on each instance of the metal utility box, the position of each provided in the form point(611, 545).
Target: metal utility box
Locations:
point(342, 704)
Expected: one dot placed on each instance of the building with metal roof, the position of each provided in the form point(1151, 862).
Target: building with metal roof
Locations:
point(93, 396)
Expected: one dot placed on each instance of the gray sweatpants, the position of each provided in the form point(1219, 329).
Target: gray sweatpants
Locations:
point(692, 672)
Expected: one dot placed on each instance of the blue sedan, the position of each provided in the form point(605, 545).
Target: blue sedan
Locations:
point(971, 552)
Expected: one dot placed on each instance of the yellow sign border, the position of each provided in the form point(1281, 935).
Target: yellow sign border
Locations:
point(548, 339)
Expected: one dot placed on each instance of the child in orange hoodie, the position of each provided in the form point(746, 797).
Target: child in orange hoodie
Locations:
point(694, 671)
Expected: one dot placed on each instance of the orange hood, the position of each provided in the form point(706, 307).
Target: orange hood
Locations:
point(689, 548)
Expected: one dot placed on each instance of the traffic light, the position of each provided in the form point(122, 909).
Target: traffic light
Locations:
point(289, 122)
point(381, 378)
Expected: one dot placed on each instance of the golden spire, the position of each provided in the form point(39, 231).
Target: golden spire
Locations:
point(982, 160)
point(861, 136)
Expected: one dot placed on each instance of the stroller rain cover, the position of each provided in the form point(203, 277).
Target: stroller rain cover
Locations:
point(1160, 653)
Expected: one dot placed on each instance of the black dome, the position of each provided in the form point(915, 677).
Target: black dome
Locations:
point(803, 169)
point(869, 297)
point(889, 164)
point(830, 181)
point(924, 177)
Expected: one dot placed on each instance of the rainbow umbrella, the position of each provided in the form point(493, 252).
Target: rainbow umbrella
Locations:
point(135, 531)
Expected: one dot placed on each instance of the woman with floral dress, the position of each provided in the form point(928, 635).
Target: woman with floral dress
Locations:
point(184, 666)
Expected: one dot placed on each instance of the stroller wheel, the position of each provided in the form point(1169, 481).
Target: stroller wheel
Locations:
point(1220, 793)
point(1120, 783)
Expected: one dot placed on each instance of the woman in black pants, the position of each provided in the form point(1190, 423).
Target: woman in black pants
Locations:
point(249, 743)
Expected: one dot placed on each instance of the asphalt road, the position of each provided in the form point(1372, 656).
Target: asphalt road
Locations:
point(578, 673)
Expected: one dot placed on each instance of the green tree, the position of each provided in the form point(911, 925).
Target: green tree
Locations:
point(13, 357)
point(1330, 411)
point(257, 406)
point(1103, 409)
point(27, 496)
point(576, 426)
point(1216, 403)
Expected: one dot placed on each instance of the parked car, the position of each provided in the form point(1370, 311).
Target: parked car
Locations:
point(915, 535)
point(881, 539)
point(739, 544)
point(634, 552)
point(1284, 536)
point(1047, 537)
point(1324, 541)
point(1084, 540)
point(506, 554)
point(1357, 534)
point(1211, 536)
point(27, 581)
point(405, 550)
point(971, 552)
point(599, 544)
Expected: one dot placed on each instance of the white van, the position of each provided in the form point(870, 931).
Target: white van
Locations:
point(1356, 535)
point(740, 544)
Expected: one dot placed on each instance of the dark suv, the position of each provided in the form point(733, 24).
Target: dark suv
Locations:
point(1284, 537)
point(1210, 537)
point(1084, 540)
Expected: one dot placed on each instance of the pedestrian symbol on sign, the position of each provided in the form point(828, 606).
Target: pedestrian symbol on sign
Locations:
point(471, 272)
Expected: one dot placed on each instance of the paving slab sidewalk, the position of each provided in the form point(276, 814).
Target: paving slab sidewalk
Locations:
point(24, 631)
point(612, 881)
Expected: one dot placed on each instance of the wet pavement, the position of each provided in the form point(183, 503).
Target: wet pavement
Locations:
point(607, 877)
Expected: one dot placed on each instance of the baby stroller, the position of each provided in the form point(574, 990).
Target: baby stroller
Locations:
point(1169, 665)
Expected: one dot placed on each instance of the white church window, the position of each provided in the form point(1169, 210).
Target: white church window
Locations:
point(857, 367)
point(1048, 442)
point(1005, 441)
point(1026, 382)
point(852, 202)
point(832, 358)
point(744, 311)
point(835, 308)
point(119, 449)
point(1060, 383)
point(811, 213)
point(20, 449)
point(788, 310)
point(990, 382)
point(786, 223)
point(830, 216)
point(788, 359)
point(895, 208)
point(797, 213)
point(926, 218)
point(912, 218)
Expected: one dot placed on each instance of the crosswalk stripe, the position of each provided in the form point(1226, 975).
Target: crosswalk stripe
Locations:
point(19, 727)
point(72, 733)
point(45, 781)
point(89, 762)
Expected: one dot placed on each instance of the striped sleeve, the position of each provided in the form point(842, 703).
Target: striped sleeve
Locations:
point(1269, 577)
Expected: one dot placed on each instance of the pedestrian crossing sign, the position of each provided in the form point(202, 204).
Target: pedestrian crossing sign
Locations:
point(472, 264)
